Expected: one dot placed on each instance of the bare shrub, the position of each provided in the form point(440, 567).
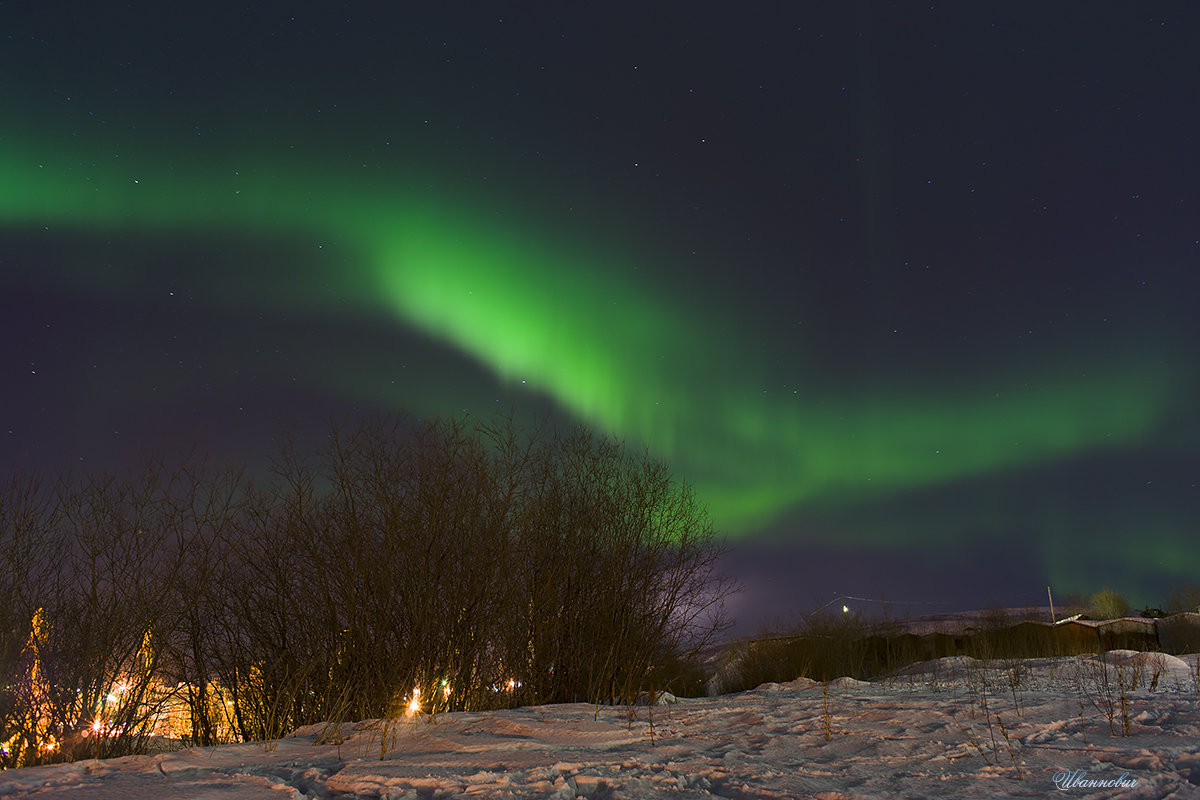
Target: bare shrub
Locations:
point(90, 680)
point(618, 572)
point(1183, 600)
point(29, 556)
point(1107, 604)
point(419, 565)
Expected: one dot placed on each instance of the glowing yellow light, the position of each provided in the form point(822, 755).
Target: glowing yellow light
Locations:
point(512, 684)
point(414, 706)
point(98, 725)
point(845, 609)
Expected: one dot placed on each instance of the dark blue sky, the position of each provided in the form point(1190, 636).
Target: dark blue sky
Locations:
point(900, 215)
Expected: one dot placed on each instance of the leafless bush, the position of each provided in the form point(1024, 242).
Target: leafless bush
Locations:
point(1107, 692)
point(87, 681)
point(617, 571)
point(1186, 599)
point(29, 556)
point(1108, 604)
point(403, 564)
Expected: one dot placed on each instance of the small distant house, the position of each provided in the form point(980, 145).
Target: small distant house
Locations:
point(1030, 638)
point(1128, 633)
point(1179, 633)
point(940, 645)
point(1075, 636)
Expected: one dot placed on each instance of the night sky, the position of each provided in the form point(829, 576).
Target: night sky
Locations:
point(907, 291)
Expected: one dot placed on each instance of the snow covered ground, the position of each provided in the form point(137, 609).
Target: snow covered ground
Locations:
point(947, 728)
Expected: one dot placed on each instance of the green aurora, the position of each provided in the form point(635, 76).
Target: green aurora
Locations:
point(584, 324)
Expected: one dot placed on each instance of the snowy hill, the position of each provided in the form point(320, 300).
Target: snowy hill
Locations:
point(955, 727)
